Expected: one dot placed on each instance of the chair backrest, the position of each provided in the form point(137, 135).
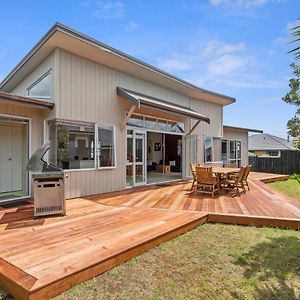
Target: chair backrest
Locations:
point(204, 174)
point(247, 171)
point(193, 170)
point(241, 175)
point(231, 165)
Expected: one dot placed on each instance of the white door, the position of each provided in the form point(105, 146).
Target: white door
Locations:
point(190, 151)
point(136, 158)
point(10, 158)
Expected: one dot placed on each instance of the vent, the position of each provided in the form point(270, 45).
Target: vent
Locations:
point(48, 209)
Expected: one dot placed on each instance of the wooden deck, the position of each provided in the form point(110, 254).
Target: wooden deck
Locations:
point(261, 206)
point(40, 258)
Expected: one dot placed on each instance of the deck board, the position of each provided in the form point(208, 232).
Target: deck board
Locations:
point(42, 257)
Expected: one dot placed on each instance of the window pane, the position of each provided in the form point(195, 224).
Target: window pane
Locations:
point(161, 125)
point(232, 150)
point(42, 88)
point(106, 147)
point(224, 150)
point(137, 121)
point(239, 149)
point(72, 145)
point(150, 123)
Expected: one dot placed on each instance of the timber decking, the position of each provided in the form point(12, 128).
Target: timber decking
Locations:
point(262, 201)
point(40, 258)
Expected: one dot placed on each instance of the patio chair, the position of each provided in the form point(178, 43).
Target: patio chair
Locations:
point(245, 179)
point(193, 170)
point(235, 182)
point(206, 182)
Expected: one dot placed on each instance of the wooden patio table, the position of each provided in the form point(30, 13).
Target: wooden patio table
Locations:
point(219, 171)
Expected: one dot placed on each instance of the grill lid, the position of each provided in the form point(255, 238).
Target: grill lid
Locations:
point(37, 164)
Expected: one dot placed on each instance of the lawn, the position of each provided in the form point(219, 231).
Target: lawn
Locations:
point(213, 261)
point(290, 187)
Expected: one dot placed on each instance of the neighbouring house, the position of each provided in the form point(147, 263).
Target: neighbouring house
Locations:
point(112, 120)
point(267, 145)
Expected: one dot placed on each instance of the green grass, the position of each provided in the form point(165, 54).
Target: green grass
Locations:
point(213, 261)
point(290, 187)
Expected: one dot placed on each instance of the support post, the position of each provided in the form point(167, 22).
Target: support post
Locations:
point(132, 109)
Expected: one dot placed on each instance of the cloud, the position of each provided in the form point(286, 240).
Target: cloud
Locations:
point(216, 47)
point(174, 64)
point(131, 26)
point(106, 9)
point(226, 64)
point(220, 66)
point(244, 4)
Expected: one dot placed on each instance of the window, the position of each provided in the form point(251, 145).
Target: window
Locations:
point(106, 146)
point(273, 153)
point(224, 150)
point(232, 151)
point(155, 124)
point(41, 88)
point(72, 145)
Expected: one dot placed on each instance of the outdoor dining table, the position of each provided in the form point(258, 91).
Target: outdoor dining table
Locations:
point(219, 171)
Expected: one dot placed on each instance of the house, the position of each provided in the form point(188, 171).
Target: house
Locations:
point(267, 145)
point(113, 121)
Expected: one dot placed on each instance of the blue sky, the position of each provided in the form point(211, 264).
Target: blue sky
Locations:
point(235, 47)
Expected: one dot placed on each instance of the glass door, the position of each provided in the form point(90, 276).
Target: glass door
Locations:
point(136, 158)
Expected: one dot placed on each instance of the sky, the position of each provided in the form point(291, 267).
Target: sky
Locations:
point(234, 47)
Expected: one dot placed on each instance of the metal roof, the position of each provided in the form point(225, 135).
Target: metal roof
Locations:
point(143, 101)
point(266, 141)
point(242, 128)
point(148, 69)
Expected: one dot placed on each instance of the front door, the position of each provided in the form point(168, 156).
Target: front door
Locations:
point(136, 158)
point(11, 158)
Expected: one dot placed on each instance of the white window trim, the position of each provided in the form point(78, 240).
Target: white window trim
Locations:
point(153, 129)
point(96, 160)
point(115, 152)
point(236, 159)
point(49, 72)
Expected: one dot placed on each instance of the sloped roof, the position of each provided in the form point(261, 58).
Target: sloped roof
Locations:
point(266, 141)
point(63, 37)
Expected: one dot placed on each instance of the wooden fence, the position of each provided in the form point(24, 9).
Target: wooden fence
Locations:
point(287, 163)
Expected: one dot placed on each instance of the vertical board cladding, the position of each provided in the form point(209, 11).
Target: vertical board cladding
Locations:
point(41, 69)
point(240, 135)
point(34, 114)
point(36, 117)
point(215, 113)
point(87, 92)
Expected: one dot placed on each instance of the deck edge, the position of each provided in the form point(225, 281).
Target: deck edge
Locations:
point(61, 285)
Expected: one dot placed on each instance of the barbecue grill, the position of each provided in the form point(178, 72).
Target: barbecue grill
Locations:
point(48, 184)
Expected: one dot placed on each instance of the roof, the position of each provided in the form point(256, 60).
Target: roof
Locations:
point(242, 128)
point(7, 97)
point(266, 141)
point(143, 101)
point(61, 36)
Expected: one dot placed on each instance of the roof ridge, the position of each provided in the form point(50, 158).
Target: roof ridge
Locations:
point(277, 140)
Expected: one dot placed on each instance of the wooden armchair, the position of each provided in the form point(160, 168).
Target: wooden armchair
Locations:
point(193, 170)
point(206, 182)
point(236, 182)
point(245, 179)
